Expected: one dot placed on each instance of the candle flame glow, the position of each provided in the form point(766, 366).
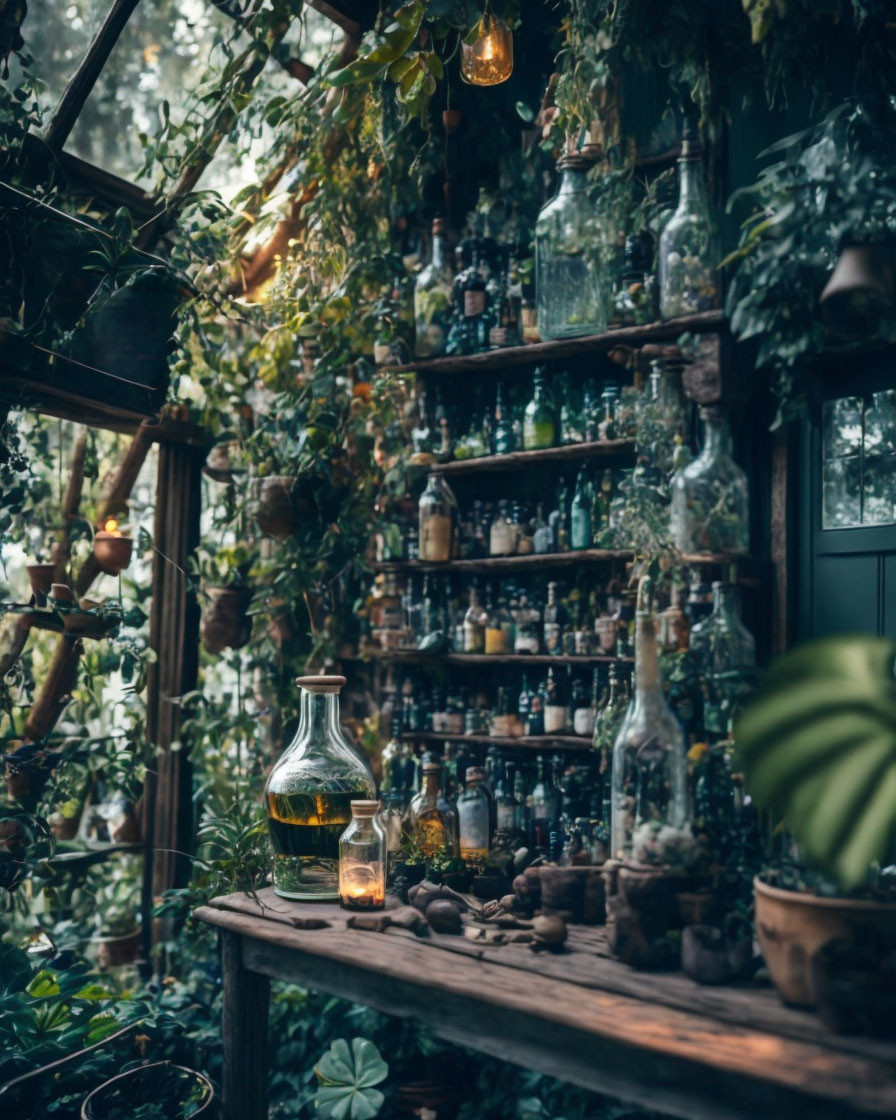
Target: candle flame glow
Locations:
point(111, 526)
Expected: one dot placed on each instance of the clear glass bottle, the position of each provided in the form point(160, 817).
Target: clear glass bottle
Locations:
point(309, 792)
point(556, 708)
point(545, 796)
point(554, 618)
point(475, 621)
point(543, 538)
point(710, 496)
point(527, 638)
point(362, 860)
point(649, 761)
point(580, 530)
point(438, 520)
point(432, 299)
point(502, 534)
point(540, 421)
point(572, 294)
point(688, 255)
point(473, 814)
point(721, 641)
point(503, 432)
point(432, 820)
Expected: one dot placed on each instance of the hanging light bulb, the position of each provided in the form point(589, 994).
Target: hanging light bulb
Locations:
point(486, 57)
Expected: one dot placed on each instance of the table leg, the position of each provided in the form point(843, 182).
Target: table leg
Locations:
point(245, 1035)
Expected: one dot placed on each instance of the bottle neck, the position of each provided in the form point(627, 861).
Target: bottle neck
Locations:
point(726, 602)
point(438, 252)
point(647, 669)
point(717, 438)
point(571, 181)
point(692, 191)
point(319, 715)
point(432, 783)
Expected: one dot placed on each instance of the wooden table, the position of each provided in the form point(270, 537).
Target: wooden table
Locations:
point(658, 1040)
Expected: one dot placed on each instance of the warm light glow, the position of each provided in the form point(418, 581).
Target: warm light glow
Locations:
point(488, 59)
point(362, 882)
point(111, 526)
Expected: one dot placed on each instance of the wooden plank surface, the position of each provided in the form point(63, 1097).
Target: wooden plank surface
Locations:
point(520, 460)
point(658, 1040)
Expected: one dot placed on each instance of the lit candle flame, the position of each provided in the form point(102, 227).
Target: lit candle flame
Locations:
point(111, 527)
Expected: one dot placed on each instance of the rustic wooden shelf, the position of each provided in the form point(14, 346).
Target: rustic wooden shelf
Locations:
point(416, 656)
point(519, 460)
point(525, 742)
point(657, 1040)
point(502, 563)
point(517, 357)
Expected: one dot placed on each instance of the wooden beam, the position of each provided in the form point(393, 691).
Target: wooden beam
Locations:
point(70, 506)
point(244, 1030)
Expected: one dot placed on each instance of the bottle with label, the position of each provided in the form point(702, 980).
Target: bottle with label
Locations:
point(499, 629)
point(580, 515)
point(560, 517)
point(556, 708)
point(536, 712)
point(502, 535)
point(545, 796)
point(423, 437)
point(554, 618)
point(474, 624)
point(524, 706)
point(542, 538)
point(438, 520)
point(522, 532)
point(649, 760)
point(309, 792)
point(506, 812)
point(502, 432)
point(432, 820)
point(473, 817)
point(540, 422)
point(527, 638)
point(583, 709)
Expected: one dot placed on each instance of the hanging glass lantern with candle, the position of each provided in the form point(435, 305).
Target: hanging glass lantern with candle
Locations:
point(572, 293)
point(486, 55)
point(362, 860)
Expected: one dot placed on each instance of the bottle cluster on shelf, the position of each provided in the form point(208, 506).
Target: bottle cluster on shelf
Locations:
point(530, 617)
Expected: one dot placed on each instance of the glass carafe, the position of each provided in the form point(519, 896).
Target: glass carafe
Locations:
point(710, 497)
point(649, 761)
point(571, 292)
point(309, 792)
point(438, 520)
point(362, 860)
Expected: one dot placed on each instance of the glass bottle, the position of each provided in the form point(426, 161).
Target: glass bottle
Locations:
point(523, 707)
point(540, 422)
point(580, 533)
point(431, 819)
point(475, 621)
point(606, 728)
point(545, 797)
point(499, 629)
point(688, 257)
point(649, 761)
point(556, 709)
point(609, 401)
point(473, 816)
point(583, 708)
point(571, 293)
point(503, 433)
point(438, 520)
point(502, 535)
point(722, 641)
point(362, 860)
point(710, 496)
point(309, 792)
point(543, 538)
point(527, 638)
point(554, 617)
point(432, 299)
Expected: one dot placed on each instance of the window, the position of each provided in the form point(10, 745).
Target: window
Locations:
point(859, 461)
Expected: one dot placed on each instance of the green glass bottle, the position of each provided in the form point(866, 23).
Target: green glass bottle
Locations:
point(540, 424)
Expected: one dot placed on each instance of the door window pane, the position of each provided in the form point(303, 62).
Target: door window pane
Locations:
point(859, 461)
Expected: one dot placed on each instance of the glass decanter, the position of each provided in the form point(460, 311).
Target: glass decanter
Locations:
point(362, 860)
point(688, 255)
point(432, 299)
point(649, 780)
point(710, 496)
point(309, 792)
point(438, 520)
point(572, 294)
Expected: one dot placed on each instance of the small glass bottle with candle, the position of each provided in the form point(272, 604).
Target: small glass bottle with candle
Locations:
point(362, 860)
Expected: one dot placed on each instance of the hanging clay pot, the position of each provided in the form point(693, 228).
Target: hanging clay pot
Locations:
point(40, 576)
point(225, 621)
point(112, 549)
point(276, 509)
point(451, 119)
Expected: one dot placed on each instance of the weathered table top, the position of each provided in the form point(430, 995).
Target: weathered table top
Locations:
point(658, 1040)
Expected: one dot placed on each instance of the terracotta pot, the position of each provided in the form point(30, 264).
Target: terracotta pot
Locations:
point(62, 593)
point(65, 828)
point(111, 552)
point(181, 1092)
point(113, 952)
point(40, 576)
point(225, 623)
point(276, 510)
point(792, 927)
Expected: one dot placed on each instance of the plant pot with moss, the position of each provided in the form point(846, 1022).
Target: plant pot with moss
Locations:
point(276, 512)
point(225, 620)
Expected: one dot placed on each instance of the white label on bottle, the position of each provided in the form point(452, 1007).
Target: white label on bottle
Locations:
point(504, 815)
point(474, 303)
point(583, 721)
point(556, 717)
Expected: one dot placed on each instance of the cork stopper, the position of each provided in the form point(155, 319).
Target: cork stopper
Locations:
point(364, 808)
point(320, 684)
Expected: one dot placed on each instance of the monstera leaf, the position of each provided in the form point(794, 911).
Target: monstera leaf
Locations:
point(347, 1077)
point(818, 746)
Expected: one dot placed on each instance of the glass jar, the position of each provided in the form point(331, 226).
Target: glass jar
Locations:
point(572, 295)
point(432, 299)
point(362, 860)
point(473, 816)
point(540, 421)
point(438, 520)
point(309, 792)
point(710, 497)
point(688, 255)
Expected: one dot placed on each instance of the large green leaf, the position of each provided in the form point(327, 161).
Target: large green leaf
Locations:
point(348, 1075)
point(818, 746)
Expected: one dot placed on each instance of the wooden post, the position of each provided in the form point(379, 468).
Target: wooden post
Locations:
point(174, 636)
point(244, 1030)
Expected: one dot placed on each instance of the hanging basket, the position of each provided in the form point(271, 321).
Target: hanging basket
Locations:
point(225, 620)
point(276, 513)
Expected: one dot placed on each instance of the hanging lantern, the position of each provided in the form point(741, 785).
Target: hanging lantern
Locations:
point(486, 57)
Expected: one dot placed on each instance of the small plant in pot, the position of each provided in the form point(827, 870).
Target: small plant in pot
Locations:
point(818, 747)
point(226, 623)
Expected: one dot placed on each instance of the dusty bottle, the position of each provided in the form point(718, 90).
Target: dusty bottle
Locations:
point(473, 813)
point(438, 520)
point(309, 793)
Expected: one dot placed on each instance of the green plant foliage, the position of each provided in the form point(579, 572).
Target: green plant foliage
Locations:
point(348, 1076)
point(818, 747)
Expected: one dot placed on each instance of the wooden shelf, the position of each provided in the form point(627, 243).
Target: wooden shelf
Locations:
point(518, 357)
point(524, 742)
point(519, 460)
point(504, 563)
point(416, 656)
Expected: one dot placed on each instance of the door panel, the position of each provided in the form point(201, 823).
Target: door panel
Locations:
point(846, 594)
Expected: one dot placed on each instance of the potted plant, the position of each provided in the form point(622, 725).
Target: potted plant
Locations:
point(226, 623)
point(155, 1091)
point(818, 748)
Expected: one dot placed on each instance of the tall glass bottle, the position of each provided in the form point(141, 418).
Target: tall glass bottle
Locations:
point(438, 520)
point(475, 621)
point(580, 530)
point(606, 728)
point(540, 421)
point(710, 496)
point(432, 299)
point(309, 792)
point(688, 256)
point(431, 818)
point(571, 292)
point(649, 761)
point(474, 814)
point(556, 708)
point(503, 431)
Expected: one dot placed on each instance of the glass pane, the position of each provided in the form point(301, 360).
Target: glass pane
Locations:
point(167, 49)
point(880, 424)
point(842, 428)
point(879, 492)
point(57, 34)
point(842, 492)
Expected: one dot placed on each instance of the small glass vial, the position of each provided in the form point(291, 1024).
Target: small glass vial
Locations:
point(362, 860)
point(474, 816)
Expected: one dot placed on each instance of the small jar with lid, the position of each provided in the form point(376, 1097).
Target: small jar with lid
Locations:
point(362, 860)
